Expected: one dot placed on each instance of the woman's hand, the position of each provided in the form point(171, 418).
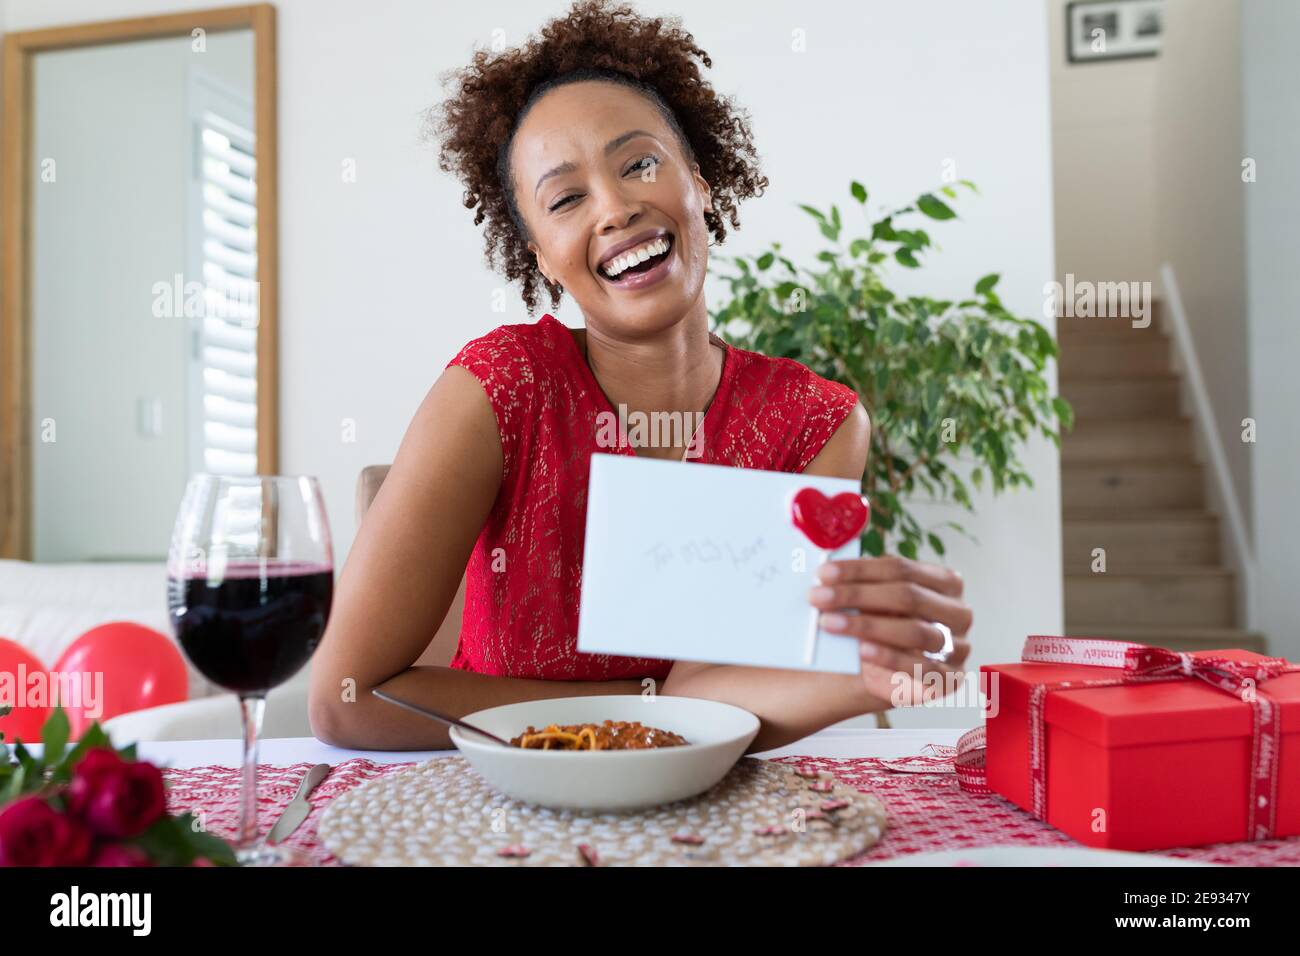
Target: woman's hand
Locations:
point(897, 603)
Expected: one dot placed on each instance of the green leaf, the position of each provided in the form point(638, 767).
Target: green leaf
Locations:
point(873, 543)
point(986, 284)
point(907, 549)
point(934, 208)
point(935, 543)
point(815, 213)
point(1064, 412)
point(859, 191)
point(204, 844)
point(764, 262)
point(54, 737)
point(93, 737)
point(884, 229)
point(13, 789)
point(905, 257)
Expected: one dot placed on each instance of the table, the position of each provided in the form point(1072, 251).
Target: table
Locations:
point(831, 742)
point(930, 816)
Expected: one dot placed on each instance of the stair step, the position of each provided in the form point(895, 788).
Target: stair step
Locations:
point(1120, 358)
point(1103, 400)
point(1112, 487)
point(1141, 542)
point(1180, 596)
point(1078, 330)
point(1175, 638)
point(1133, 440)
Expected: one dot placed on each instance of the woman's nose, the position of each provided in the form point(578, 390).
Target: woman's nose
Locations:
point(617, 209)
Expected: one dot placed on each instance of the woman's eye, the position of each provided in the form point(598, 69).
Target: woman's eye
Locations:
point(637, 165)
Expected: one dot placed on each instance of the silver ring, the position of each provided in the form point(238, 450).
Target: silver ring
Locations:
point(942, 655)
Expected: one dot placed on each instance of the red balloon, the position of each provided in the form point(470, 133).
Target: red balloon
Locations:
point(24, 722)
point(123, 667)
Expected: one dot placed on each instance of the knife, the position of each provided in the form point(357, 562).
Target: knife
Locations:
point(298, 807)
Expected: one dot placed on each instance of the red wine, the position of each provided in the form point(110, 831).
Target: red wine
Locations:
point(256, 626)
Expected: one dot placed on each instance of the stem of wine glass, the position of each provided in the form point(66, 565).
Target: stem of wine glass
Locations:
point(251, 709)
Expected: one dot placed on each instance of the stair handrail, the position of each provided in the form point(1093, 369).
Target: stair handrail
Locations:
point(1203, 415)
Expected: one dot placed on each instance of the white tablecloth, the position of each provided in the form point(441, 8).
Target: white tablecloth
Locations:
point(833, 742)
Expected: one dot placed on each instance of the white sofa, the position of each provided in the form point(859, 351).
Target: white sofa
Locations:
point(45, 607)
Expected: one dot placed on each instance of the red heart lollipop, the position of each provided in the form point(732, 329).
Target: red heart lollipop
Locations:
point(829, 522)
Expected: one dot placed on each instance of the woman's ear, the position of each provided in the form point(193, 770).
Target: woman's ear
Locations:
point(541, 263)
point(704, 187)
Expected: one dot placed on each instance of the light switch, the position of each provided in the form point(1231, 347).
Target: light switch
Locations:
point(149, 422)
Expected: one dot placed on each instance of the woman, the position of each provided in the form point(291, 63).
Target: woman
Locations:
point(602, 164)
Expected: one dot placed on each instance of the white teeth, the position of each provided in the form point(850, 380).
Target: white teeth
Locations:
point(628, 259)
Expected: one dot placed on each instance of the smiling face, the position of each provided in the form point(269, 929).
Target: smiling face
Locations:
point(596, 167)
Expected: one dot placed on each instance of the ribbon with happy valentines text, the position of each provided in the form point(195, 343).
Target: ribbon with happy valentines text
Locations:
point(1139, 664)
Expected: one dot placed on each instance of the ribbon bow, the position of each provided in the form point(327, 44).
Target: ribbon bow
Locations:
point(1139, 664)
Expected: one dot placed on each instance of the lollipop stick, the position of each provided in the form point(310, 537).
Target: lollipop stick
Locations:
point(810, 642)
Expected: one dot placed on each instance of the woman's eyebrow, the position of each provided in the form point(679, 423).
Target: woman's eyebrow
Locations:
point(568, 167)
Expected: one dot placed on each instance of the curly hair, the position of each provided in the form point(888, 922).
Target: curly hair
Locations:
point(476, 125)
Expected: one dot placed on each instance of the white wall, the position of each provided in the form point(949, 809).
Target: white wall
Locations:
point(1270, 81)
point(382, 279)
point(1104, 170)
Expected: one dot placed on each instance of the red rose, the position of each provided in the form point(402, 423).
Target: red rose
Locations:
point(33, 833)
point(120, 854)
point(116, 798)
point(91, 770)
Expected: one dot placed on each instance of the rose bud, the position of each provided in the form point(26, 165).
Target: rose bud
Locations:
point(96, 765)
point(116, 798)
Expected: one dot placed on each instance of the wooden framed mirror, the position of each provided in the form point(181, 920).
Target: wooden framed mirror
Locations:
point(138, 323)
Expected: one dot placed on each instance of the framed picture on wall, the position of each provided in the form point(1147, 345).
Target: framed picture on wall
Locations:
point(1113, 29)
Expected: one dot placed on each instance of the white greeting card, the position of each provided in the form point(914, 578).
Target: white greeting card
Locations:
point(697, 562)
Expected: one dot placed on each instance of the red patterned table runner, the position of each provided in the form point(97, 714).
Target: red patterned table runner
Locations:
point(927, 812)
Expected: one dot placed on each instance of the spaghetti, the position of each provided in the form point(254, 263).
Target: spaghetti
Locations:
point(610, 735)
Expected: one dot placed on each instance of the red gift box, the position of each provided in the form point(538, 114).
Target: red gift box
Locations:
point(1141, 748)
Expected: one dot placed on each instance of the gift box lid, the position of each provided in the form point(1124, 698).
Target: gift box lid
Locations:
point(1156, 712)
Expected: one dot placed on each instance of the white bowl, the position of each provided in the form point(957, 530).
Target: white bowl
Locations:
point(717, 736)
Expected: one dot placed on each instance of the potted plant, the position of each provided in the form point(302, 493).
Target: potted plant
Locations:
point(954, 389)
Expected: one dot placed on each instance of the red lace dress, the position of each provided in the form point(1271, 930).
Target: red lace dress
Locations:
point(521, 618)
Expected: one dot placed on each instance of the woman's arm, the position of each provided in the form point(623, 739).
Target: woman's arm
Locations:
point(791, 704)
point(401, 576)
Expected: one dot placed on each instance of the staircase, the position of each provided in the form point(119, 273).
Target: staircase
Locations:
point(1131, 485)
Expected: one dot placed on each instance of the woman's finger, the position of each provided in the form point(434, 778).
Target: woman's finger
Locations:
point(904, 633)
point(893, 658)
point(892, 568)
point(900, 598)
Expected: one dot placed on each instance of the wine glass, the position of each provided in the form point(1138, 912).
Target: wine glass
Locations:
point(250, 576)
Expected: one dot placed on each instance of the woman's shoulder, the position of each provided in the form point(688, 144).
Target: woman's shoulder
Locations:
point(789, 382)
point(512, 346)
point(515, 364)
point(796, 410)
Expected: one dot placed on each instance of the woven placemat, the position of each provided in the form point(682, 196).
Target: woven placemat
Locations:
point(442, 813)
